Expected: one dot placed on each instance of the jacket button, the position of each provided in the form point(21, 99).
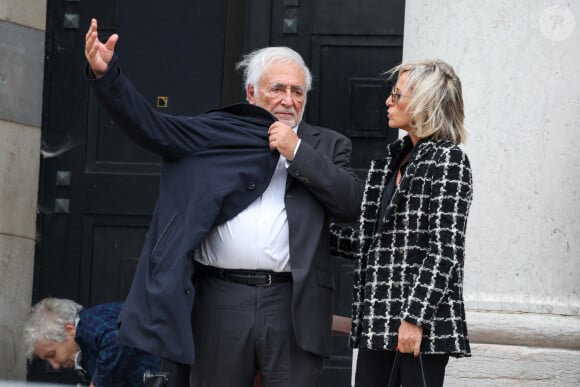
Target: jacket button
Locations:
point(251, 186)
point(187, 291)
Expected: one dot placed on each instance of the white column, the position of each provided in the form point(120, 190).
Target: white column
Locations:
point(519, 62)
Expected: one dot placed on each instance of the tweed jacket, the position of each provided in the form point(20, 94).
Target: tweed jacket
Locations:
point(411, 268)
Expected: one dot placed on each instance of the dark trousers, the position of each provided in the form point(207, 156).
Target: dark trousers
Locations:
point(373, 369)
point(240, 330)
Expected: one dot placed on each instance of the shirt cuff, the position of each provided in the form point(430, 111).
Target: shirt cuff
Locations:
point(295, 151)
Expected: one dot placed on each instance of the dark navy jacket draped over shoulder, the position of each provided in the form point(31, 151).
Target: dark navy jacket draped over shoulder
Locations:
point(214, 165)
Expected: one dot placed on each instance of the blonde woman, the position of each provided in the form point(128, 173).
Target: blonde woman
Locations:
point(409, 246)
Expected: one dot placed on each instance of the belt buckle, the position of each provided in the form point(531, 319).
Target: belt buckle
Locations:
point(267, 283)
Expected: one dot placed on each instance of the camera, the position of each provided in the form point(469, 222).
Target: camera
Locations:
point(155, 379)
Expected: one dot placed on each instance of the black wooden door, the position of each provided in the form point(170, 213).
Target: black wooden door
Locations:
point(347, 45)
point(97, 188)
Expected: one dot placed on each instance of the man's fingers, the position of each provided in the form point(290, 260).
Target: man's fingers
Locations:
point(90, 45)
point(92, 28)
point(111, 42)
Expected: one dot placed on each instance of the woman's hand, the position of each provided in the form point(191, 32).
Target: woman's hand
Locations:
point(410, 336)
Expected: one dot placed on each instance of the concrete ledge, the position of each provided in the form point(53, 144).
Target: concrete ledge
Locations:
point(24, 13)
point(504, 365)
point(17, 262)
point(21, 73)
point(19, 169)
point(528, 329)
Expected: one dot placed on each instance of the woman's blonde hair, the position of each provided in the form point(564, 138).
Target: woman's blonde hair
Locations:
point(436, 102)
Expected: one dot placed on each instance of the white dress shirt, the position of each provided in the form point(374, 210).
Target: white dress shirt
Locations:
point(257, 238)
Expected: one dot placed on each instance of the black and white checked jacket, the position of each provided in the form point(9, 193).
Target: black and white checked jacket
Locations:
point(413, 269)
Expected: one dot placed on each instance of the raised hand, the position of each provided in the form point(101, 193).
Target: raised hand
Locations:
point(99, 54)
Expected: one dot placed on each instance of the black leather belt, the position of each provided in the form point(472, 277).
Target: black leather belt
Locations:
point(246, 277)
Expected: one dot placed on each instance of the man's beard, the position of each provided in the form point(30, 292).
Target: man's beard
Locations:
point(294, 121)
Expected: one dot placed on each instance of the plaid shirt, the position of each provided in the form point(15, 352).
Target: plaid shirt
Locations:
point(413, 268)
point(108, 362)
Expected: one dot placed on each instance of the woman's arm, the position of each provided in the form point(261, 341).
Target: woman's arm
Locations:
point(450, 199)
point(343, 241)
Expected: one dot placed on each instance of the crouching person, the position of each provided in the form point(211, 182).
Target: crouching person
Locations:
point(65, 334)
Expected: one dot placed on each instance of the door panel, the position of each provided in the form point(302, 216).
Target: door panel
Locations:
point(111, 246)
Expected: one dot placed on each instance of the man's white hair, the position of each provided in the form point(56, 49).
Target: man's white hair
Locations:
point(46, 322)
point(257, 62)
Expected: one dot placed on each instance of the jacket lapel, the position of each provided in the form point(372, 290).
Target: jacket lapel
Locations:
point(309, 135)
point(404, 185)
point(379, 173)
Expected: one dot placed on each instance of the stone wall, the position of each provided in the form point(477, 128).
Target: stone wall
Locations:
point(22, 25)
point(519, 65)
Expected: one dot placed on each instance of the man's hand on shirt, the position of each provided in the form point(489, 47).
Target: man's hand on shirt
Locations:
point(283, 139)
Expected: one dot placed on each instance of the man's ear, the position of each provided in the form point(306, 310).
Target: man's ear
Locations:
point(250, 94)
point(70, 329)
